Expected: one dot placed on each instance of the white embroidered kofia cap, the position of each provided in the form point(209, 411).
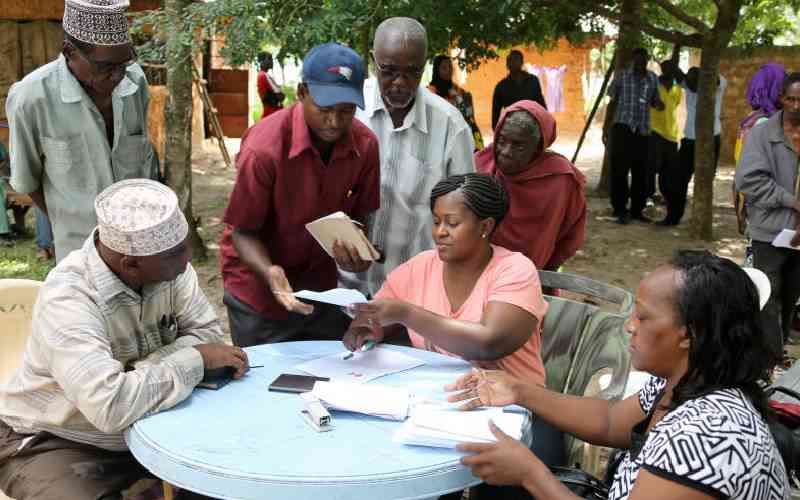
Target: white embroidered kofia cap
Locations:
point(97, 22)
point(139, 217)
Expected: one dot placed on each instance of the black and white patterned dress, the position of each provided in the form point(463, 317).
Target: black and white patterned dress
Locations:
point(718, 444)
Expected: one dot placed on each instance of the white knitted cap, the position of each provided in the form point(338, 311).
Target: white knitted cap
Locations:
point(97, 22)
point(140, 217)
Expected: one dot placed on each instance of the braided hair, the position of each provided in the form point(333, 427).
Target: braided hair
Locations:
point(483, 194)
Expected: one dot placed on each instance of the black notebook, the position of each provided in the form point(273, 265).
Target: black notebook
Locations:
point(217, 377)
point(295, 383)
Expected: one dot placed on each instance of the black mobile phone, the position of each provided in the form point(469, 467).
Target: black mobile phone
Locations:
point(287, 382)
point(217, 377)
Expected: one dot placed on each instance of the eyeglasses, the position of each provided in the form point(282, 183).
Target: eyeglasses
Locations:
point(390, 72)
point(106, 68)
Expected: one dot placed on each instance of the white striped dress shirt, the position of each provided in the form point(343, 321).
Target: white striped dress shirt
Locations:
point(99, 356)
point(434, 142)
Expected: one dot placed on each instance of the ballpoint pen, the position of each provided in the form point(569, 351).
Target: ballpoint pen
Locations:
point(369, 344)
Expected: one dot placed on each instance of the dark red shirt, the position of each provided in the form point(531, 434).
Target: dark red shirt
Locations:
point(281, 185)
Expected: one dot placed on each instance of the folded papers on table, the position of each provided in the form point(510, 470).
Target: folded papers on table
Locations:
point(376, 400)
point(448, 428)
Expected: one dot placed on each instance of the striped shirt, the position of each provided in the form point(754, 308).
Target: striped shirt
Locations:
point(634, 95)
point(100, 356)
point(433, 142)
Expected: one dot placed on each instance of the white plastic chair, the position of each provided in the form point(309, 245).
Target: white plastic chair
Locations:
point(17, 297)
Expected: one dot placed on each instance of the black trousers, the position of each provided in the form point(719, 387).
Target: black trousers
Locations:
point(782, 267)
point(676, 185)
point(662, 159)
point(249, 327)
point(628, 155)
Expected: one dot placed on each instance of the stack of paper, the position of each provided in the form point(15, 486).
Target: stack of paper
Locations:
point(448, 428)
point(362, 367)
point(376, 400)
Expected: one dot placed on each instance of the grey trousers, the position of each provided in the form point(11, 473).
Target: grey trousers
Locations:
point(51, 468)
point(249, 327)
point(782, 267)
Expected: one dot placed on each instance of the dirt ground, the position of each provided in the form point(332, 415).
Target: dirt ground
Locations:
point(614, 254)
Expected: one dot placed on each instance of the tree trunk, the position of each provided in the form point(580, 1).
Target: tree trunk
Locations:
point(630, 36)
point(713, 44)
point(178, 114)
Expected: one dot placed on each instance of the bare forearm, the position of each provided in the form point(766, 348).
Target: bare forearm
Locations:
point(586, 418)
point(254, 253)
point(472, 341)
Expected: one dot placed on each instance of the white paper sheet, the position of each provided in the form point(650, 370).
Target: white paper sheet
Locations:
point(371, 399)
point(448, 428)
point(362, 367)
point(337, 296)
point(784, 239)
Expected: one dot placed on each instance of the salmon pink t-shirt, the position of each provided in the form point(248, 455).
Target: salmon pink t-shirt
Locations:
point(510, 277)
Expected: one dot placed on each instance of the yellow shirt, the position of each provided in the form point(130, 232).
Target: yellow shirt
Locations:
point(665, 123)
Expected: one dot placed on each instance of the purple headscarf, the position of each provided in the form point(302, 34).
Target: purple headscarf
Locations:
point(765, 88)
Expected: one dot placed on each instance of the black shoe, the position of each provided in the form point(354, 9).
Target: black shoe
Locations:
point(6, 240)
point(642, 218)
point(666, 222)
point(622, 219)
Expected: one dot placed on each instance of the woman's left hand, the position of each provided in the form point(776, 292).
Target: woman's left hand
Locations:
point(506, 462)
point(383, 311)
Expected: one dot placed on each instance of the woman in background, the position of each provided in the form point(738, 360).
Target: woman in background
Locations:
point(443, 86)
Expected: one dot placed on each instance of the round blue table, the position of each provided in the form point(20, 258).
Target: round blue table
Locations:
point(243, 442)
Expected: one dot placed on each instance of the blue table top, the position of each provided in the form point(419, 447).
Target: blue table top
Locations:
point(243, 442)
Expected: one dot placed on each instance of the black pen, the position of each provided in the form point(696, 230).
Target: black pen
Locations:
point(256, 366)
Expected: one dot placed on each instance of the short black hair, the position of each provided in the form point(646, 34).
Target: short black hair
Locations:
point(790, 80)
point(718, 304)
point(484, 195)
point(84, 47)
point(515, 52)
point(640, 51)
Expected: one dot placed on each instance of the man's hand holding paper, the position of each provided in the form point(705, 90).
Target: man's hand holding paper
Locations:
point(347, 257)
point(280, 287)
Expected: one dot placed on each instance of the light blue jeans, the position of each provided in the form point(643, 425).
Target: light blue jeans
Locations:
point(44, 232)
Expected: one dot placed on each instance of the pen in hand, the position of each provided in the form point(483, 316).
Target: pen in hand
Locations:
point(369, 344)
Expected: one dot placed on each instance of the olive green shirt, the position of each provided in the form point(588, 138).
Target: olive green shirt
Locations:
point(58, 142)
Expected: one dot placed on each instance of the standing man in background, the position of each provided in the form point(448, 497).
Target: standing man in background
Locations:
point(79, 123)
point(423, 139)
point(519, 85)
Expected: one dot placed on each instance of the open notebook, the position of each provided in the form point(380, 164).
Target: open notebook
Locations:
point(448, 428)
point(339, 225)
point(376, 400)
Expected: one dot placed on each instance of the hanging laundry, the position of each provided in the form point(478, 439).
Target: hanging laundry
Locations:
point(555, 88)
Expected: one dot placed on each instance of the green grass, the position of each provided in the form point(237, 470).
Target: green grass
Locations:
point(20, 261)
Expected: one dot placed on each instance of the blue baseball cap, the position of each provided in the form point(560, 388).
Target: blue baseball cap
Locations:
point(334, 74)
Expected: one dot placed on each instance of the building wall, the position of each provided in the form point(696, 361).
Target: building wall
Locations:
point(481, 83)
point(738, 67)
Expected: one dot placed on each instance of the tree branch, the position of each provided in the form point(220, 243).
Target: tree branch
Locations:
point(681, 16)
point(694, 40)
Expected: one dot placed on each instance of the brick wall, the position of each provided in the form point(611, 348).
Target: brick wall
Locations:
point(738, 67)
point(481, 83)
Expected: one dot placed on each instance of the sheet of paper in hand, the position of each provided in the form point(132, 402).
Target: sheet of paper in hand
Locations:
point(362, 367)
point(338, 296)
